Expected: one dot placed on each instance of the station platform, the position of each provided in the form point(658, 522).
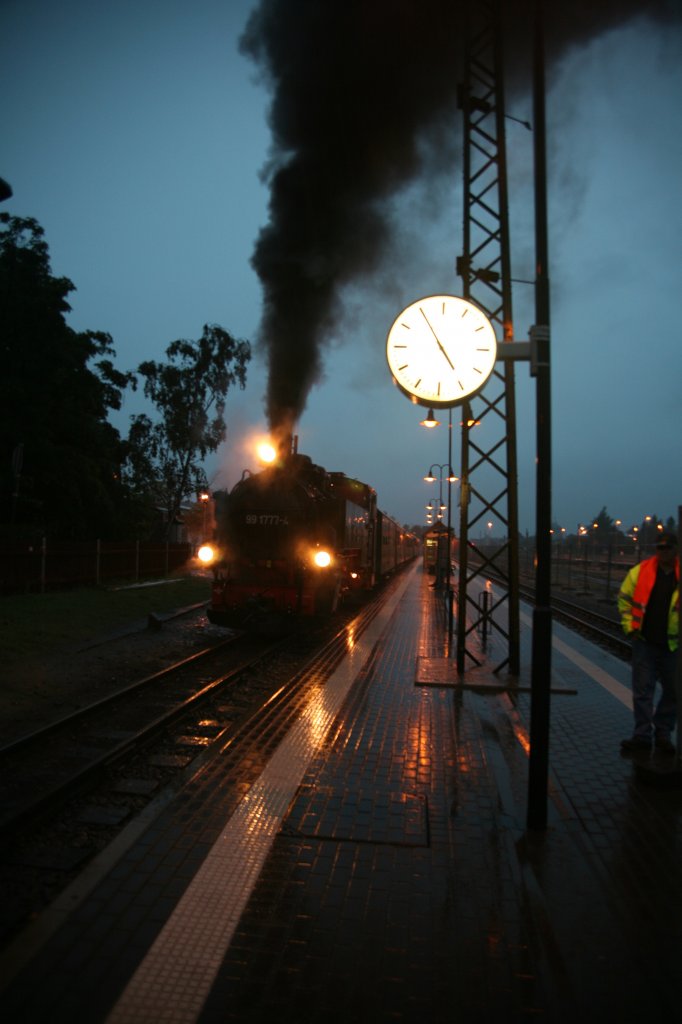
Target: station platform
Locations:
point(379, 868)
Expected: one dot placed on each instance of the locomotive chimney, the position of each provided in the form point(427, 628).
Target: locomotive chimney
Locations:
point(287, 444)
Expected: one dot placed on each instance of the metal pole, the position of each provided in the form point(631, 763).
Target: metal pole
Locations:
point(542, 613)
point(463, 542)
point(678, 674)
point(449, 570)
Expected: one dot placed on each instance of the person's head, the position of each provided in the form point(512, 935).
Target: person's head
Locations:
point(666, 547)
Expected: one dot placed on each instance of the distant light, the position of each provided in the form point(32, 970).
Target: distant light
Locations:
point(322, 559)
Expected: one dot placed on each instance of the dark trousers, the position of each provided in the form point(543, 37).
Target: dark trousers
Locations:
point(652, 663)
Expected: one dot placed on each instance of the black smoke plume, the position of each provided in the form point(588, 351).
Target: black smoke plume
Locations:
point(358, 87)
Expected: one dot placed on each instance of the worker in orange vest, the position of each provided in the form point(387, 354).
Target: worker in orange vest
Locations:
point(649, 602)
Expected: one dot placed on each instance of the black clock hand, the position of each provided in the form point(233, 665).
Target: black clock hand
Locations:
point(437, 338)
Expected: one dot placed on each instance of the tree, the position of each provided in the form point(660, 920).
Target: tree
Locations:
point(59, 456)
point(603, 522)
point(164, 458)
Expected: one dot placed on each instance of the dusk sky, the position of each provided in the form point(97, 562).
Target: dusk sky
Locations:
point(136, 134)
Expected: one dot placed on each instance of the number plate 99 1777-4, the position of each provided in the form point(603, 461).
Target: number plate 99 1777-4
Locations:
point(265, 519)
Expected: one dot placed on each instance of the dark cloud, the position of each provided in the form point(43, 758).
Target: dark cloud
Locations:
point(364, 98)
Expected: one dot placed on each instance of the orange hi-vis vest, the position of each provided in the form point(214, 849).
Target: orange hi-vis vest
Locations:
point(634, 597)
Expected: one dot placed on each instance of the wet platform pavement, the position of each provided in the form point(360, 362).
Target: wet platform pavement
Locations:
point(380, 868)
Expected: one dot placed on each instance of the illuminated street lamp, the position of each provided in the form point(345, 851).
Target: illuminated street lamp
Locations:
point(446, 474)
point(430, 421)
point(204, 498)
point(449, 477)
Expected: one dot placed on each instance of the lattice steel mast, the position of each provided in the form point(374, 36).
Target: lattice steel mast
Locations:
point(488, 468)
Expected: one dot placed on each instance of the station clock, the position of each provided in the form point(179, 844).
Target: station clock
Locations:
point(441, 350)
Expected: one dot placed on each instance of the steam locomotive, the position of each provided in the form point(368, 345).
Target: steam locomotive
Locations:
point(293, 541)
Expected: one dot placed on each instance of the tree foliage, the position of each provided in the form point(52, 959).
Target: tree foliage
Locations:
point(604, 522)
point(164, 458)
point(59, 455)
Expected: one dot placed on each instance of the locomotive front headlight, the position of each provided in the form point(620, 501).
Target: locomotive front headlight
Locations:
point(322, 558)
point(267, 453)
point(206, 554)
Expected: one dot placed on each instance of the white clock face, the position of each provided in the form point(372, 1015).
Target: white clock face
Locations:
point(441, 350)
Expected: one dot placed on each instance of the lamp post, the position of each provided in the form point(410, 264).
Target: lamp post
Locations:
point(204, 498)
point(542, 614)
point(450, 478)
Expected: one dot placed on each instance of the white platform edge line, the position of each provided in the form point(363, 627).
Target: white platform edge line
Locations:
point(599, 675)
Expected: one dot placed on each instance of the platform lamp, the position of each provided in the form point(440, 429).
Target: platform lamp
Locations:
point(430, 479)
point(451, 478)
point(429, 421)
point(204, 498)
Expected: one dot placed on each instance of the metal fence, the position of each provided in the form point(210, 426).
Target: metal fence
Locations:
point(53, 565)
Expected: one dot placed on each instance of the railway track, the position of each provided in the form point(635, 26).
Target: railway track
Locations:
point(72, 788)
point(604, 630)
point(48, 765)
point(584, 618)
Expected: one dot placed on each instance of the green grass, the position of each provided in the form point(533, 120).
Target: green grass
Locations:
point(37, 624)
